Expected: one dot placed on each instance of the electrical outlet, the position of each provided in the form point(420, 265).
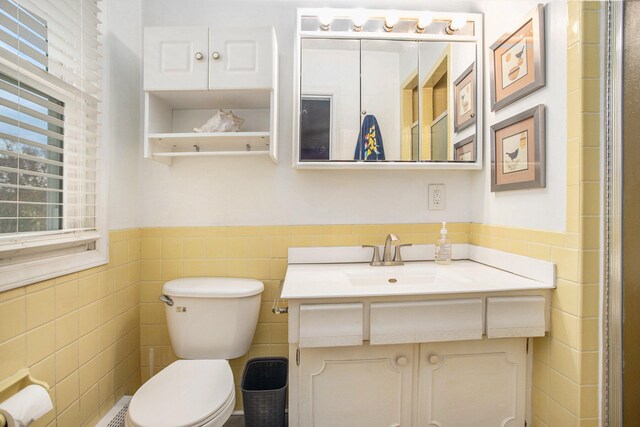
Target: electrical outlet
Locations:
point(436, 197)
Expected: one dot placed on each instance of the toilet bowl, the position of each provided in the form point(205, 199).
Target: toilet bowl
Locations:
point(187, 393)
point(209, 320)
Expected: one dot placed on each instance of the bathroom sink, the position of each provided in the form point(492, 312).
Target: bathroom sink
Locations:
point(333, 280)
point(406, 275)
point(379, 276)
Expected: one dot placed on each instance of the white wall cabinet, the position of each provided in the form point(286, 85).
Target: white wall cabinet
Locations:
point(191, 72)
point(200, 58)
point(359, 385)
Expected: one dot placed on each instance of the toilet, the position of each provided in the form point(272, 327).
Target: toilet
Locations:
point(210, 320)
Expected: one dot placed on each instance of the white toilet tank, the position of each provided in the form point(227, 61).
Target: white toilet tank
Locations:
point(211, 317)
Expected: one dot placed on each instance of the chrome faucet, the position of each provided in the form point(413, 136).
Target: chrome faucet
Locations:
point(390, 241)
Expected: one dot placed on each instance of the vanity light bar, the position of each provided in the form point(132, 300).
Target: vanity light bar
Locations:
point(392, 22)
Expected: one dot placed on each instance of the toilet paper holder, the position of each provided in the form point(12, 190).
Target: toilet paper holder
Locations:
point(22, 376)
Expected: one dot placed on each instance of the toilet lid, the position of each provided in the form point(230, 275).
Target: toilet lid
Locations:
point(183, 394)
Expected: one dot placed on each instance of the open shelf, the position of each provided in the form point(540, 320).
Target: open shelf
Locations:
point(169, 144)
point(170, 124)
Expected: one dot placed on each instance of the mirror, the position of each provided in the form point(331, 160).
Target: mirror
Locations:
point(373, 96)
point(446, 83)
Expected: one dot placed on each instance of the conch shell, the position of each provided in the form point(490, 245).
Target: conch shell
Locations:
point(221, 122)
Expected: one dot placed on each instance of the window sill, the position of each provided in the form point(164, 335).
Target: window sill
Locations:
point(29, 272)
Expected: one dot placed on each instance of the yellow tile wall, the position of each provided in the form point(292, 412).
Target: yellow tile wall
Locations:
point(80, 333)
point(566, 368)
point(254, 252)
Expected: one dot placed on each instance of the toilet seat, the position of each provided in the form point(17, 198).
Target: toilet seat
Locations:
point(187, 393)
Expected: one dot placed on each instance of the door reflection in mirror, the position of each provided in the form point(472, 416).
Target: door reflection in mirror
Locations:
point(315, 128)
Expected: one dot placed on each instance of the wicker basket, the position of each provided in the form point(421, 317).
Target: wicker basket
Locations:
point(264, 391)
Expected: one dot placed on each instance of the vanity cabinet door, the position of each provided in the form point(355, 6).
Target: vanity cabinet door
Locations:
point(356, 386)
point(175, 58)
point(241, 58)
point(472, 383)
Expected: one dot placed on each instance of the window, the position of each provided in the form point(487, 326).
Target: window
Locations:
point(31, 159)
point(50, 80)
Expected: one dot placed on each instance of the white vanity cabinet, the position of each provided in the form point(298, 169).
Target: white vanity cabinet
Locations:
point(461, 384)
point(359, 385)
point(191, 72)
point(472, 383)
point(414, 345)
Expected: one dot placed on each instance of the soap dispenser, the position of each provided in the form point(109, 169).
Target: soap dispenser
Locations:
point(443, 247)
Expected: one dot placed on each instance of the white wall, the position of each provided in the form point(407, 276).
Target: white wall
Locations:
point(122, 113)
point(536, 208)
point(244, 191)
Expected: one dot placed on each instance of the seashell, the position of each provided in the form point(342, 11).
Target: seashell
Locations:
point(221, 121)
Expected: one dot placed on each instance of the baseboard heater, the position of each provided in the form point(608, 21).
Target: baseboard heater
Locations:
point(115, 417)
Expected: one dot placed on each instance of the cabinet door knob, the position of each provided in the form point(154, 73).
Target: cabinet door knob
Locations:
point(434, 359)
point(364, 112)
point(402, 361)
point(215, 55)
point(199, 56)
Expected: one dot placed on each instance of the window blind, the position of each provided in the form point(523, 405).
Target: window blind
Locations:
point(50, 90)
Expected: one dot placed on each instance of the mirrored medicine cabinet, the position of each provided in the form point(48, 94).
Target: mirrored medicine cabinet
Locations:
point(387, 89)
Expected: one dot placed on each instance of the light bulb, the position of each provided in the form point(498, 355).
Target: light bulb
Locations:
point(325, 21)
point(359, 19)
point(423, 22)
point(390, 20)
point(456, 23)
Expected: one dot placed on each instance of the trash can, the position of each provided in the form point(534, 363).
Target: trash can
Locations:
point(264, 391)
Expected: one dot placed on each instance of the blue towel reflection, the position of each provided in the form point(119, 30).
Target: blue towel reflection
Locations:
point(369, 146)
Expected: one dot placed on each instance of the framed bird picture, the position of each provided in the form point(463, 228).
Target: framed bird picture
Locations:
point(465, 150)
point(465, 99)
point(518, 61)
point(518, 151)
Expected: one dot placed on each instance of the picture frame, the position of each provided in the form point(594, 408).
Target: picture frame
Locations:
point(465, 149)
point(465, 99)
point(517, 63)
point(518, 151)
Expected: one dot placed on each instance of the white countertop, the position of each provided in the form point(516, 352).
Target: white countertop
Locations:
point(414, 278)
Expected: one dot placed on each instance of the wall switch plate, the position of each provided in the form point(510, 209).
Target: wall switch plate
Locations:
point(436, 197)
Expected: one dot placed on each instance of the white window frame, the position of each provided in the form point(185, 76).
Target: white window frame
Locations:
point(34, 257)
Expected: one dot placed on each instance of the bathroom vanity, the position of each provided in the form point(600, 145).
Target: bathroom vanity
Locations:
point(413, 345)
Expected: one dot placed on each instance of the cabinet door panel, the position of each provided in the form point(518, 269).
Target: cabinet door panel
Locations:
point(171, 58)
point(241, 58)
point(473, 383)
point(356, 386)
